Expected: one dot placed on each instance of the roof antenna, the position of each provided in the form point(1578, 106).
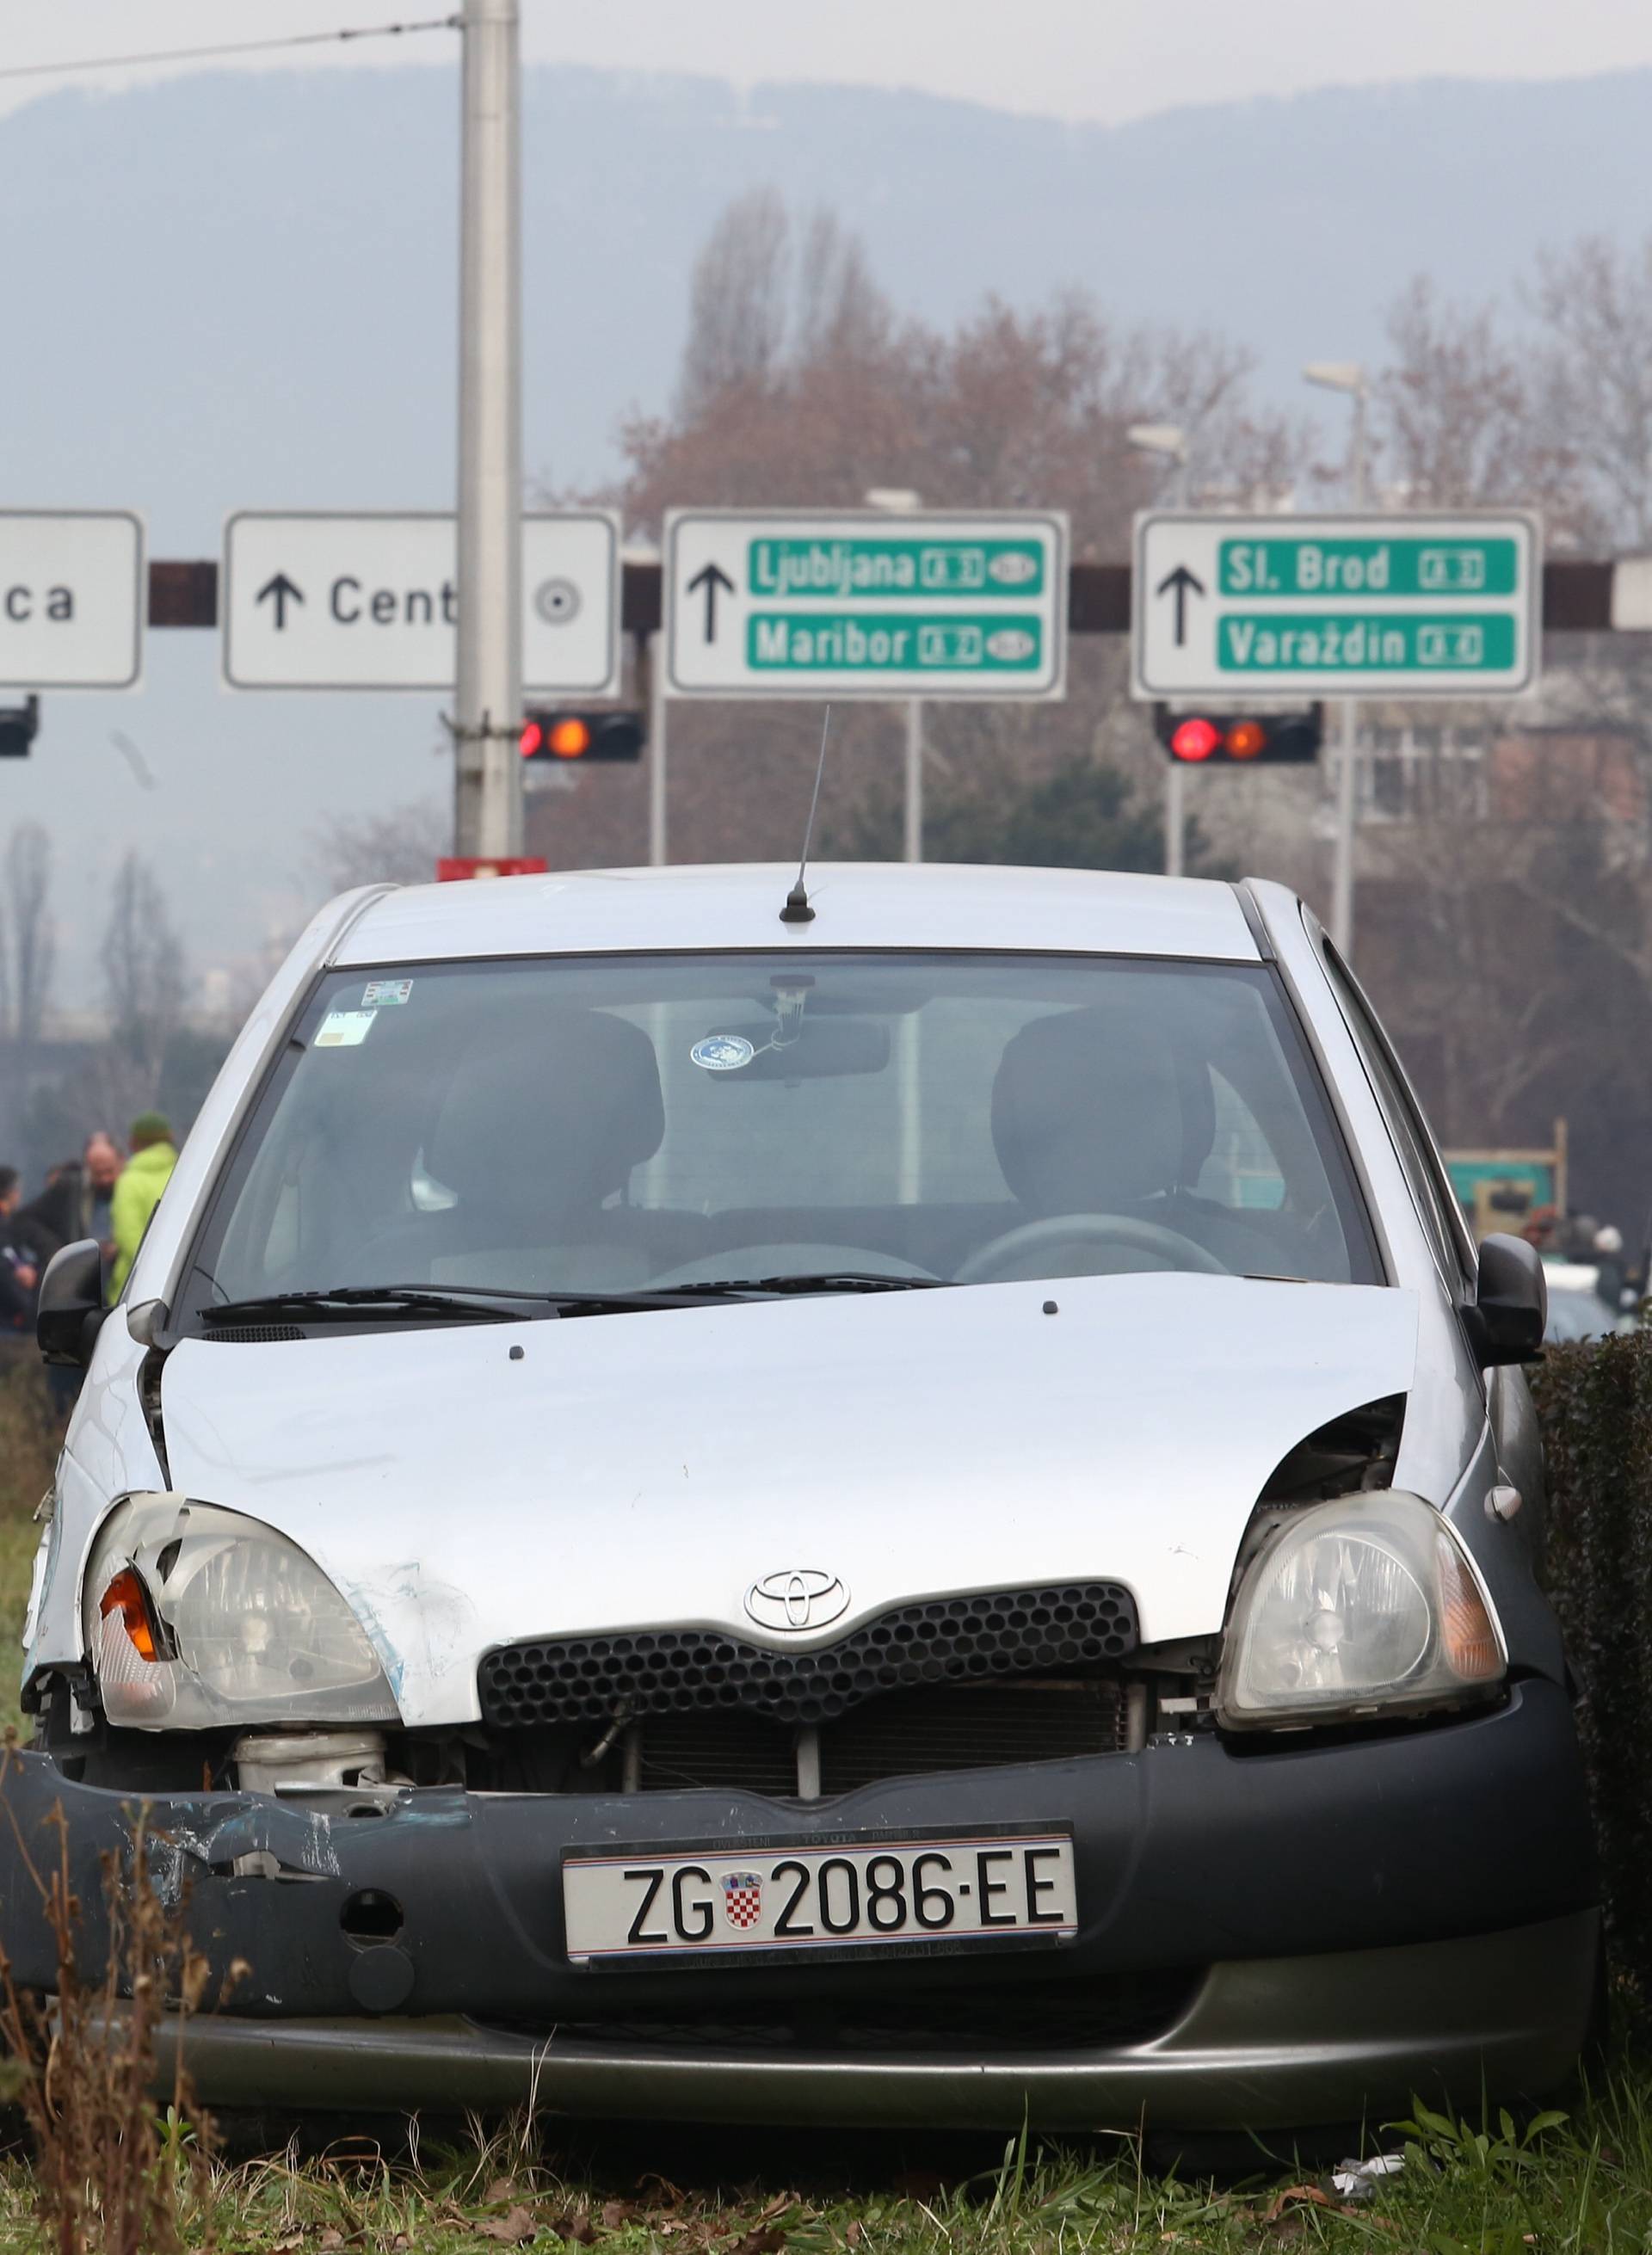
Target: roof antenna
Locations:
point(796, 909)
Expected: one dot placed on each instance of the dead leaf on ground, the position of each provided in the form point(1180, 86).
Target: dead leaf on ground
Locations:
point(760, 2242)
point(514, 2229)
point(1296, 2196)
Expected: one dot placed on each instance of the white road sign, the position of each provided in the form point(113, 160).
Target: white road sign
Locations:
point(318, 601)
point(1404, 606)
point(865, 603)
point(71, 598)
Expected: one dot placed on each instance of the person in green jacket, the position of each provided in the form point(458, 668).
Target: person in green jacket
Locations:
point(138, 1192)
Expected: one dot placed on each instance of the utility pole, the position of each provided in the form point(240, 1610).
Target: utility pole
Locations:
point(1350, 377)
point(488, 701)
point(1168, 442)
point(901, 501)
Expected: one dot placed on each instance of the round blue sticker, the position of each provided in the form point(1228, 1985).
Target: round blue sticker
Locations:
point(722, 1052)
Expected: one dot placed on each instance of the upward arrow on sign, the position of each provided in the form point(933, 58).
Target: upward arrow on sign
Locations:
point(281, 591)
point(711, 577)
point(1183, 584)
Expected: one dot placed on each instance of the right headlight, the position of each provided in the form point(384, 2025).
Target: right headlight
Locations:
point(198, 1617)
point(1357, 1607)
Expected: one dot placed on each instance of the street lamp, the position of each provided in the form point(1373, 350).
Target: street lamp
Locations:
point(1349, 377)
point(1168, 441)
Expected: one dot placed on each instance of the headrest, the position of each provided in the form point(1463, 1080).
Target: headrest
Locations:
point(1087, 1114)
point(554, 1123)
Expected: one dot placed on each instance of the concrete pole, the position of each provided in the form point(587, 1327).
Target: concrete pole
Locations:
point(1175, 827)
point(1176, 774)
point(1348, 733)
point(914, 839)
point(488, 698)
point(654, 650)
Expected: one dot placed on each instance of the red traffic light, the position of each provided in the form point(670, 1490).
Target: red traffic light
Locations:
point(1195, 740)
point(1249, 739)
point(588, 735)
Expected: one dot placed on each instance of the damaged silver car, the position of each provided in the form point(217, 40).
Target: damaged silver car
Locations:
point(925, 1514)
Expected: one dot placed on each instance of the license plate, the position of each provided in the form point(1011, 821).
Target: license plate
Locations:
point(860, 1895)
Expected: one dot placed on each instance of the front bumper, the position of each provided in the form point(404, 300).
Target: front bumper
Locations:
point(1268, 2044)
point(1325, 1929)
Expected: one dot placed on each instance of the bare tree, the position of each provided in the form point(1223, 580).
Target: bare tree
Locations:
point(397, 847)
point(841, 312)
point(143, 974)
point(1594, 303)
point(737, 301)
point(33, 944)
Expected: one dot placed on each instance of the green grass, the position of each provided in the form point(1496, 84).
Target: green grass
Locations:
point(1583, 2183)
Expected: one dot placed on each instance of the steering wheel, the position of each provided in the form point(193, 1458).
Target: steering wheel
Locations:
point(999, 1259)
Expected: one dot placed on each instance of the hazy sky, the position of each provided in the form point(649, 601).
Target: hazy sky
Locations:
point(1104, 59)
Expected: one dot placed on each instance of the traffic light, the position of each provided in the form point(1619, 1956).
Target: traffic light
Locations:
point(18, 726)
point(1246, 739)
point(583, 735)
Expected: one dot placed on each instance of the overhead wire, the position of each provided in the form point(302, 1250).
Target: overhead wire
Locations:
point(230, 47)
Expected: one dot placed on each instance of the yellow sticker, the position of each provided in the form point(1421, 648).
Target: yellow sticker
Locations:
point(344, 1029)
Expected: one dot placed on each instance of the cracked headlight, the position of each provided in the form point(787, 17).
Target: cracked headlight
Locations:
point(197, 1618)
point(1357, 1607)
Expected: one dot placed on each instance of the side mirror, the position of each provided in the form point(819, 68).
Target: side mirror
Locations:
point(70, 1308)
point(1511, 1303)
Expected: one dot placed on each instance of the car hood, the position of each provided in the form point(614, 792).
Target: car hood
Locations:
point(630, 1470)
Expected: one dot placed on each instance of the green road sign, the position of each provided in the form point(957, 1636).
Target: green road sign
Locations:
point(1399, 606)
point(846, 641)
point(865, 603)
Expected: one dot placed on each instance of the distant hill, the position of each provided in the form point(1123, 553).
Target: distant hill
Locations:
point(239, 290)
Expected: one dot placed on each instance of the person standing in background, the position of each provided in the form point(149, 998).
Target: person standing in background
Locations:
point(19, 1276)
point(137, 1193)
point(101, 1165)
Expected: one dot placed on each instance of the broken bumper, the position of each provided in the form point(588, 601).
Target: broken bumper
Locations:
point(1270, 1937)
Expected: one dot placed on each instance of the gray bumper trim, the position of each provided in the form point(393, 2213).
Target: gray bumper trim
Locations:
point(1266, 2043)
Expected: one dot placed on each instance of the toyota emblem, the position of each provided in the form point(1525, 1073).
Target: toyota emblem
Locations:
point(798, 1597)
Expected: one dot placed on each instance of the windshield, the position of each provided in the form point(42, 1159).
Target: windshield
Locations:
point(627, 1124)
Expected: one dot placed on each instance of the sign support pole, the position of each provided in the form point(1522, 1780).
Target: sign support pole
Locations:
point(658, 769)
point(487, 811)
point(913, 850)
point(1349, 770)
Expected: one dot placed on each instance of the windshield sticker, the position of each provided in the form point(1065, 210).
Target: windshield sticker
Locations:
point(345, 1030)
point(722, 1052)
point(378, 992)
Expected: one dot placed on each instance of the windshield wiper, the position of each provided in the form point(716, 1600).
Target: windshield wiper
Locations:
point(835, 1280)
point(486, 1302)
point(508, 1303)
point(351, 1299)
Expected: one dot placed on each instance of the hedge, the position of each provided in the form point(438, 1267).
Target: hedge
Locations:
point(1595, 1403)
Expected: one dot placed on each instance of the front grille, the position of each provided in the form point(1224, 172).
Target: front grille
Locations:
point(970, 1727)
point(917, 1733)
point(683, 1671)
point(970, 2020)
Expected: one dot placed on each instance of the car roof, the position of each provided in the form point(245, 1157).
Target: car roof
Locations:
point(737, 905)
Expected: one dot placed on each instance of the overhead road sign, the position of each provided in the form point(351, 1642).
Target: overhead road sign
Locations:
point(1387, 606)
point(72, 588)
point(314, 600)
point(865, 603)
